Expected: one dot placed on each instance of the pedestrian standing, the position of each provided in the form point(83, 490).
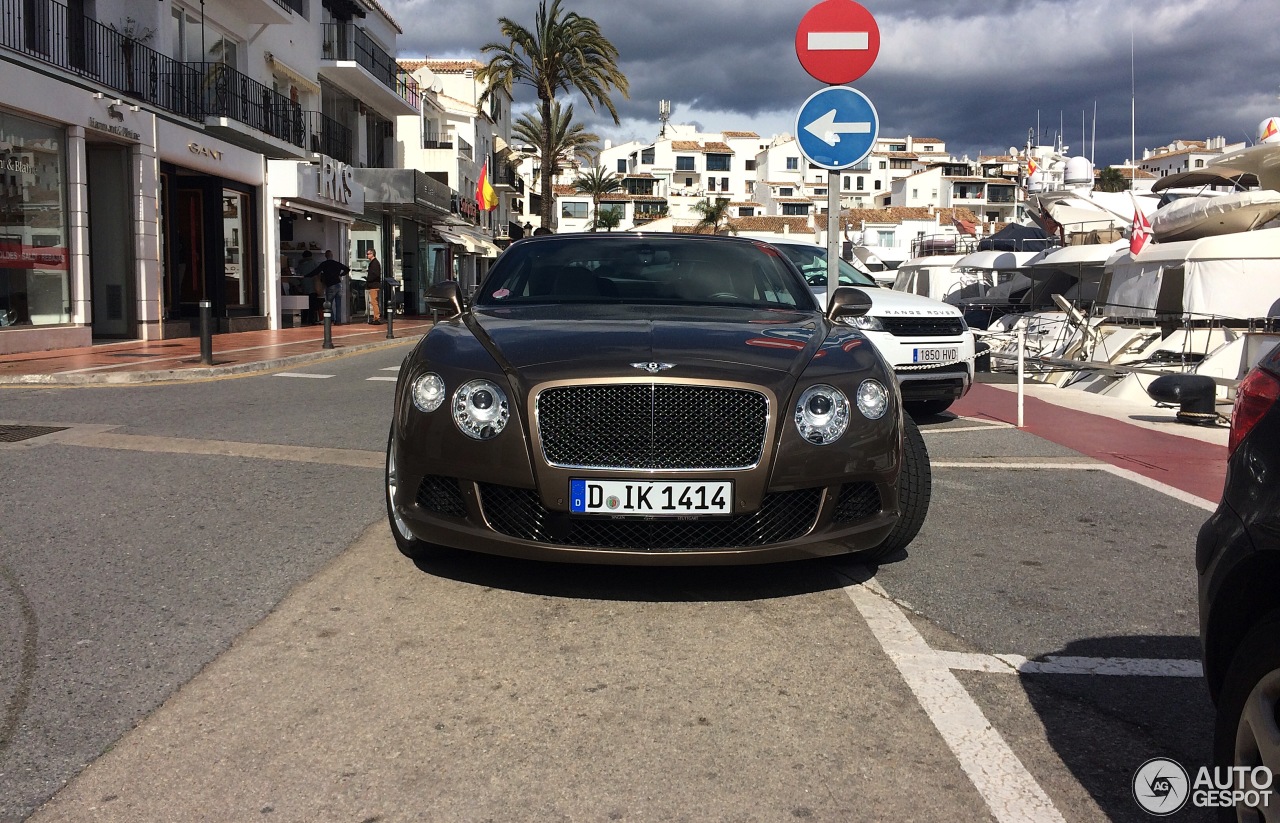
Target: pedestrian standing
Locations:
point(373, 288)
point(331, 273)
point(314, 292)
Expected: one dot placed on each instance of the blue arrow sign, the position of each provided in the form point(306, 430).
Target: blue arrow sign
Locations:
point(836, 127)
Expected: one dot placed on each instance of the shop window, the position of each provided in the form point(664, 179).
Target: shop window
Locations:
point(236, 248)
point(34, 280)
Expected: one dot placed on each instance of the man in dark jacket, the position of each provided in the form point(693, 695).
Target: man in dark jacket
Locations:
point(373, 287)
point(330, 273)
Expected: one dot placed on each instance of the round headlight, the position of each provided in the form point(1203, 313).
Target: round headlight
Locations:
point(873, 399)
point(822, 414)
point(480, 409)
point(428, 392)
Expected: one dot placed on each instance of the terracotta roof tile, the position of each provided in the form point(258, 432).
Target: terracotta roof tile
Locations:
point(717, 148)
point(773, 223)
point(686, 145)
point(733, 134)
point(441, 66)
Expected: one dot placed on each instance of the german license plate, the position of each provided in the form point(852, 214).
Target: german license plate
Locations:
point(651, 498)
point(938, 355)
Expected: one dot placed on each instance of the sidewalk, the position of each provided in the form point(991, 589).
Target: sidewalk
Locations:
point(137, 361)
point(1142, 439)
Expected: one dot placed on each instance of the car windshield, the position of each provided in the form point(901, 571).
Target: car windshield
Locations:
point(643, 269)
point(812, 263)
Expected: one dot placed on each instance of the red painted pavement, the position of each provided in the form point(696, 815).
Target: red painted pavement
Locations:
point(1193, 466)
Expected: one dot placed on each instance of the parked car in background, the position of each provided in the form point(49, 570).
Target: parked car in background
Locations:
point(927, 342)
point(1238, 560)
point(673, 399)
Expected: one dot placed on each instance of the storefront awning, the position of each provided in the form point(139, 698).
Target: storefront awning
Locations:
point(457, 240)
point(479, 243)
point(298, 78)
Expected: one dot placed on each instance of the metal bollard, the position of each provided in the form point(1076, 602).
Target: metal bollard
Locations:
point(206, 332)
point(389, 309)
point(328, 325)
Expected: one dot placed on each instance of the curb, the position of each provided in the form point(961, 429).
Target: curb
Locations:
point(195, 373)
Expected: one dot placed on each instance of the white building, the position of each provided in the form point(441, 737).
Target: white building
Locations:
point(452, 141)
point(172, 109)
point(1185, 155)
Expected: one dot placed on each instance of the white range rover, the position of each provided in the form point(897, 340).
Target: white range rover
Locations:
point(926, 341)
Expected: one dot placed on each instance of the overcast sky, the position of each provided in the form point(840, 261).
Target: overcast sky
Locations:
point(977, 75)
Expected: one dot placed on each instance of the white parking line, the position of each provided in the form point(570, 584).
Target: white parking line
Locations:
point(1008, 788)
point(301, 374)
point(387, 379)
point(390, 368)
point(1127, 474)
point(1112, 666)
point(983, 428)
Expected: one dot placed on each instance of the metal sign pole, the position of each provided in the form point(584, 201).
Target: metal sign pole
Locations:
point(833, 233)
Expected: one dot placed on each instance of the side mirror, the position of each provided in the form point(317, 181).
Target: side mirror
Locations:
point(848, 302)
point(445, 298)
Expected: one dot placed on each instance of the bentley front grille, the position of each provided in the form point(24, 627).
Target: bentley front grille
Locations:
point(519, 513)
point(652, 426)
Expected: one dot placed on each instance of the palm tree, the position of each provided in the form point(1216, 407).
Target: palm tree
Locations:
point(564, 52)
point(568, 139)
point(597, 182)
point(715, 216)
point(1112, 179)
point(608, 219)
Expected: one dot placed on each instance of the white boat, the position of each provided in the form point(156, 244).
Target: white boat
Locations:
point(1191, 218)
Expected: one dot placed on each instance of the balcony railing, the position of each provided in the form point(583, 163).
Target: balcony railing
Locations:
point(46, 31)
point(225, 92)
point(504, 174)
point(346, 42)
point(325, 135)
point(432, 139)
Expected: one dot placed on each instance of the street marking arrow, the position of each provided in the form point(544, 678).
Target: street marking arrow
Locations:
point(826, 129)
point(838, 41)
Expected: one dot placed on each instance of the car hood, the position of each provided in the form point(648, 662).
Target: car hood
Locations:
point(892, 303)
point(563, 341)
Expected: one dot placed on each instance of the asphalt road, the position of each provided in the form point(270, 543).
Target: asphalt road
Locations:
point(203, 617)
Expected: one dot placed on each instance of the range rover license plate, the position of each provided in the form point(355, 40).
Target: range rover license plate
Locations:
point(938, 355)
point(651, 498)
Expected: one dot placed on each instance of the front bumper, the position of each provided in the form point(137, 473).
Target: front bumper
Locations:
point(791, 525)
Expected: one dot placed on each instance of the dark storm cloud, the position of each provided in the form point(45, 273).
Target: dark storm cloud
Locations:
point(977, 75)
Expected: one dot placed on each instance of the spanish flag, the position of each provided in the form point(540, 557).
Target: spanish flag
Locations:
point(1031, 166)
point(486, 197)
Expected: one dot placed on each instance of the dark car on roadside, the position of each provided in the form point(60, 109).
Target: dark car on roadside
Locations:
point(650, 398)
point(1238, 559)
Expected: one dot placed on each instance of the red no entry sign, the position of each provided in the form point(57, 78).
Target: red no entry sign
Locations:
point(837, 41)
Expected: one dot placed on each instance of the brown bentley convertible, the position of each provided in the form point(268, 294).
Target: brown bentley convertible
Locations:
point(659, 399)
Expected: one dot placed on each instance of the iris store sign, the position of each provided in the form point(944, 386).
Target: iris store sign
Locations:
point(335, 181)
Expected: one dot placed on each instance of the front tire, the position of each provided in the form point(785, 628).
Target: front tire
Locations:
point(410, 546)
point(915, 488)
point(1245, 730)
